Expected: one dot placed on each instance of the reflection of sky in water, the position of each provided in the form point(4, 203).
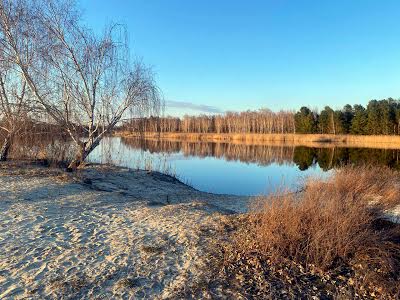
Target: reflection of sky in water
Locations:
point(208, 174)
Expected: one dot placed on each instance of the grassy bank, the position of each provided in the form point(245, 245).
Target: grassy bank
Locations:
point(333, 237)
point(311, 140)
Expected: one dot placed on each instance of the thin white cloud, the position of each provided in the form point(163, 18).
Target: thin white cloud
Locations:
point(192, 106)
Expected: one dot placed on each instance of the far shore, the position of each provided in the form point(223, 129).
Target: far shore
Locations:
point(308, 140)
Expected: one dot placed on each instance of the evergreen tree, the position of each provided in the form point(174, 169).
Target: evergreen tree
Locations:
point(388, 112)
point(374, 118)
point(348, 115)
point(397, 129)
point(359, 121)
point(305, 121)
point(338, 122)
point(331, 122)
point(325, 120)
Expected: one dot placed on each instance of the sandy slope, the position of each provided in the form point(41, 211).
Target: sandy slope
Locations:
point(113, 236)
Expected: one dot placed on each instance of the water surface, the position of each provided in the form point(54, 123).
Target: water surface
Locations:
point(239, 169)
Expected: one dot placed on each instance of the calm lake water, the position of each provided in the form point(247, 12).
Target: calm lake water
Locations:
point(239, 169)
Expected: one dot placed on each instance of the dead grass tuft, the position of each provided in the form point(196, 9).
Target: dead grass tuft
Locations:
point(335, 225)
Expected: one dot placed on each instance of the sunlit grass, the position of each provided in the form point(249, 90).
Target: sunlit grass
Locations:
point(334, 225)
point(311, 140)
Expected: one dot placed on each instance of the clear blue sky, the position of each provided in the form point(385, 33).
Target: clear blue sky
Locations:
point(238, 55)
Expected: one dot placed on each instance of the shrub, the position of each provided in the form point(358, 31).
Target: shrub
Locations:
point(333, 224)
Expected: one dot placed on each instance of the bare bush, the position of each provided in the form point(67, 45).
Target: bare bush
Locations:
point(333, 224)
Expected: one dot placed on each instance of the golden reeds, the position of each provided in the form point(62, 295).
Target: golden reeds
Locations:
point(310, 140)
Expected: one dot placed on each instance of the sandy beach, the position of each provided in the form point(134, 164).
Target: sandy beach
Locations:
point(112, 233)
point(106, 233)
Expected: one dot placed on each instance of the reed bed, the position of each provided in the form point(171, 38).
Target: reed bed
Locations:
point(311, 140)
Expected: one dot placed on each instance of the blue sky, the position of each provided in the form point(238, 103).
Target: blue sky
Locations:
point(237, 55)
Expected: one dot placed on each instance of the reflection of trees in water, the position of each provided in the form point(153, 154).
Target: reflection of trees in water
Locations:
point(328, 158)
point(261, 155)
point(303, 157)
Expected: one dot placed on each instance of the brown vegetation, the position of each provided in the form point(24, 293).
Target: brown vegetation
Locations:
point(310, 140)
point(41, 142)
point(334, 229)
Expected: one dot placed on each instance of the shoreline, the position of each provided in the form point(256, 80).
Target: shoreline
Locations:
point(143, 185)
point(306, 140)
point(119, 233)
point(106, 231)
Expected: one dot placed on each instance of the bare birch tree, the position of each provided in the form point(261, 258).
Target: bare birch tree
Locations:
point(14, 108)
point(84, 81)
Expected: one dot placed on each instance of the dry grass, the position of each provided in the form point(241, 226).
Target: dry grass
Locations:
point(333, 226)
point(310, 140)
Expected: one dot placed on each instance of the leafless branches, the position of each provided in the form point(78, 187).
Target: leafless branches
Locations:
point(85, 82)
point(262, 121)
point(15, 108)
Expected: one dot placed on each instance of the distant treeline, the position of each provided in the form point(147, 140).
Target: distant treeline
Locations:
point(262, 121)
point(380, 117)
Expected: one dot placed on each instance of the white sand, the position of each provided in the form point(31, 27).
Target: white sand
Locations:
point(114, 237)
